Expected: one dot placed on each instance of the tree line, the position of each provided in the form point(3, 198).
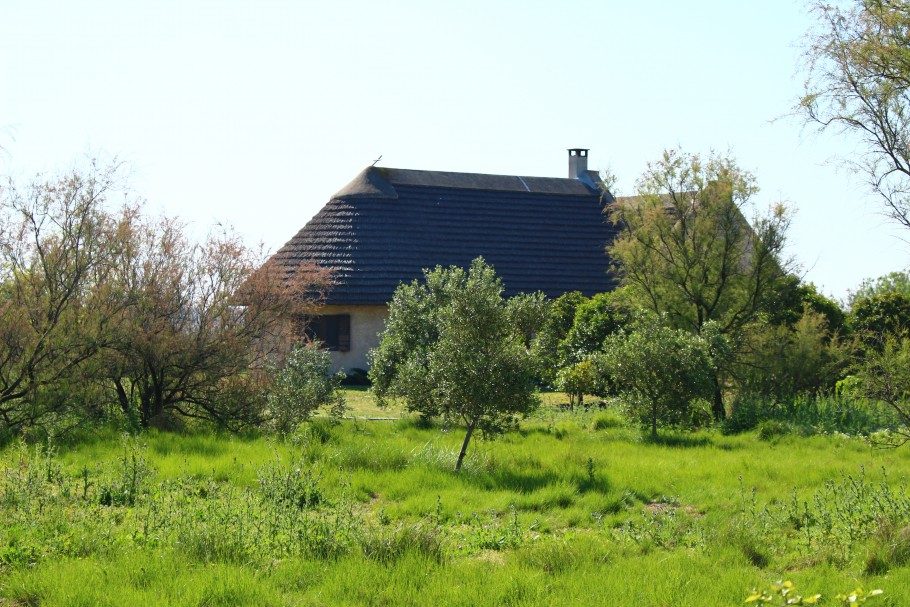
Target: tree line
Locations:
point(709, 313)
point(107, 311)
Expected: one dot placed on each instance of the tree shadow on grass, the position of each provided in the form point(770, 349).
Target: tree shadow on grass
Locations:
point(682, 441)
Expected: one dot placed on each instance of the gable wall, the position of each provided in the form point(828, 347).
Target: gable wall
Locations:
point(366, 324)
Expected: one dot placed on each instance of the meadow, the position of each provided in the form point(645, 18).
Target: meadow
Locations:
point(571, 508)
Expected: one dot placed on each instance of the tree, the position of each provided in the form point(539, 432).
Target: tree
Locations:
point(858, 78)
point(450, 348)
point(893, 282)
point(559, 320)
point(202, 325)
point(529, 312)
point(303, 385)
point(876, 318)
point(55, 296)
point(884, 376)
point(687, 252)
point(660, 371)
point(780, 361)
point(595, 319)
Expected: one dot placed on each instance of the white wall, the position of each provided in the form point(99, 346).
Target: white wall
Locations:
point(366, 324)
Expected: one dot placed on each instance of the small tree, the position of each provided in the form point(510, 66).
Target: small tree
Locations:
point(878, 317)
point(528, 312)
point(302, 386)
point(55, 296)
point(451, 349)
point(659, 371)
point(595, 319)
point(202, 324)
point(560, 316)
point(780, 361)
point(577, 380)
point(884, 376)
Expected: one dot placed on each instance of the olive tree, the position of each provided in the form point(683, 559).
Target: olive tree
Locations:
point(451, 348)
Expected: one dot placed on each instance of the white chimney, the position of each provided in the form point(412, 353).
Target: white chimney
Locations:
point(578, 162)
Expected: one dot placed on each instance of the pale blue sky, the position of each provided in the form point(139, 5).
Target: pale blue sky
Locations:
point(254, 112)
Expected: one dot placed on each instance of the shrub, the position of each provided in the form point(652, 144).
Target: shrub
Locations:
point(130, 477)
point(294, 486)
point(302, 386)
point(556, 325)
point(595, 319)
point(577, 380)
point(659, 372)
point(811, 414)
point(771, 429)
point(782, 361)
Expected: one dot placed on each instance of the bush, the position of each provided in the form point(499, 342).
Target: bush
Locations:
point(782, 361)
point(596, 319)
point(577, 380)
point(556, 325)
point(771, 429)
point(451, 348)
point(811, 414)
point(660, 372)
point(302, 386)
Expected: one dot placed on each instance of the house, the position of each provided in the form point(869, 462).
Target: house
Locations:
point(387, 225)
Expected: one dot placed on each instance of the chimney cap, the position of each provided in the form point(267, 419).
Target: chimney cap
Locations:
point(578, 151)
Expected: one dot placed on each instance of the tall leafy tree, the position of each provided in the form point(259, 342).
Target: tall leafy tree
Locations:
point(687, 252)
point(858, 80)
point(452, 348)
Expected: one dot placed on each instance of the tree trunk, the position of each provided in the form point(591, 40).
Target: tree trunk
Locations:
point(464, 445)
point(717, 407)
point(653, 422)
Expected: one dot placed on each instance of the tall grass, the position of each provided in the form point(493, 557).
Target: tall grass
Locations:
point(573, 508)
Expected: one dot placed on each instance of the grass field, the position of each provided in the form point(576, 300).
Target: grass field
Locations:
point(571, 509)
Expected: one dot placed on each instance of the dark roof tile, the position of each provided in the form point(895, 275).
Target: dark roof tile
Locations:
point(387, 225)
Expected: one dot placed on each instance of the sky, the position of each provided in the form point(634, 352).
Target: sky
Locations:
point(252, 113)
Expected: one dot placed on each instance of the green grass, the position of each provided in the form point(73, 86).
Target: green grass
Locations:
point(570, 509)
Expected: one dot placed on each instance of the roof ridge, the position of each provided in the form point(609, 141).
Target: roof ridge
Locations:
point(382, 182)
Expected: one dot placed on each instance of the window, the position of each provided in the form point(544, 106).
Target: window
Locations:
point(333, 330)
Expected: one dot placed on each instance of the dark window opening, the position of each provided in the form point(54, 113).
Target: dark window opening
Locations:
point(333, 330)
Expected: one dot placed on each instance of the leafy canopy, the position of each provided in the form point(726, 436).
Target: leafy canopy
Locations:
point(660, 372)
point(451, 348)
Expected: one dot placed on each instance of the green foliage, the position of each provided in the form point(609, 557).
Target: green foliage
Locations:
point(659, 372)
point(885, 377)
point(781, 361)
point(881, 316)
point(811, 414)
point(129, 478)
point(686, 249)
point(556, 326)
point(579, 379)
point(294, 486)
point(893, 282)
point(528, 312)
point(595, 320)
point(451, 349)
point(302, 386)
point(791, 300)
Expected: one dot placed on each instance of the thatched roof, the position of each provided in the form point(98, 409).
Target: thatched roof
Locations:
point(387, 225)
